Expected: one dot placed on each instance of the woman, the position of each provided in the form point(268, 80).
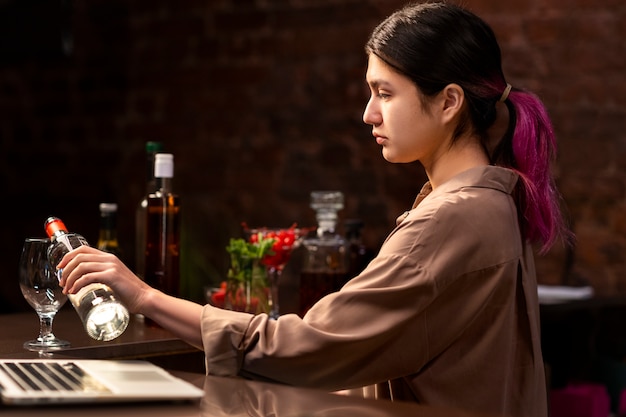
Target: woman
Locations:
point(447, 313)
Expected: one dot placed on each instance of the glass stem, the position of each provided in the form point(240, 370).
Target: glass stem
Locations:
point(45, 327)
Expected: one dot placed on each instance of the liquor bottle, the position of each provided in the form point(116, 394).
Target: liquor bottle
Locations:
point(107, 235)
point(152, 148)
point(325, 267)
point(103, 315)
point(163, 230)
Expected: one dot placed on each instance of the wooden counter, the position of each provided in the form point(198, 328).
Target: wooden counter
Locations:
point(223, 396)
point(139, 341)
point(571, 332)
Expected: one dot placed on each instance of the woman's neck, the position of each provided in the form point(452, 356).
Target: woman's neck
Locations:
point(466, 153)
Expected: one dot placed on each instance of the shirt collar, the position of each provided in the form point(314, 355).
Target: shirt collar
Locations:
point(487, 176)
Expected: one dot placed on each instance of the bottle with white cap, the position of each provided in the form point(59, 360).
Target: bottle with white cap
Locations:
point(162, 270)
point(152, 148)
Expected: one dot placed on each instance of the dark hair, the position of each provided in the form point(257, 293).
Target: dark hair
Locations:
point(436, 44)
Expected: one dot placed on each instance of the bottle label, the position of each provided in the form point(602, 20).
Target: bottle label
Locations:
point(90, 295)
point(62, 245)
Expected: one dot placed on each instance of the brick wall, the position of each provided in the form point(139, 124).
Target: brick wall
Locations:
point(261, 102)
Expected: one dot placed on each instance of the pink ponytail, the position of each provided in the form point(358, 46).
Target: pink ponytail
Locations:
point(534, 150)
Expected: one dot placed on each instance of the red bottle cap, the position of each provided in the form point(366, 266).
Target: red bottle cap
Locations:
point(54, 225)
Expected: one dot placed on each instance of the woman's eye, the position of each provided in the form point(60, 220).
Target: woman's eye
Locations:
point(382, 96)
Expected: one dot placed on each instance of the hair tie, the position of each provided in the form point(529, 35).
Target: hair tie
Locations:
point(505, 93)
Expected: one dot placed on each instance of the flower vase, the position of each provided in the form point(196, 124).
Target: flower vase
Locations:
point(250, 294)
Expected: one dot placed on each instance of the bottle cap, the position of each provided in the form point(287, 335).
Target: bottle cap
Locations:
point(108, 207)
point(164, 165)
point(54, 225)
point(154, 147)
point(327, 200)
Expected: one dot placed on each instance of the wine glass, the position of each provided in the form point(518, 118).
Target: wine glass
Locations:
point(286, 240)
point(40, 287)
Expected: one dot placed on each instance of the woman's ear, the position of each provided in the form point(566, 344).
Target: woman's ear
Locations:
point(453, 101)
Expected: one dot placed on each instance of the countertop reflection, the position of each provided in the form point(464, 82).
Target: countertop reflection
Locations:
point(240, 397)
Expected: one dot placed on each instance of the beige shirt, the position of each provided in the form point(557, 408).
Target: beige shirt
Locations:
point(446, 314)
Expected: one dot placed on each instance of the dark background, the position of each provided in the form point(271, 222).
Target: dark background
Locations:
point(261, 102)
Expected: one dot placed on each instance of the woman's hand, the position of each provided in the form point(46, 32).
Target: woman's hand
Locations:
point(86, 265)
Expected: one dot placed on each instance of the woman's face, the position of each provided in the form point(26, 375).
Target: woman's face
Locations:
point(401, 125)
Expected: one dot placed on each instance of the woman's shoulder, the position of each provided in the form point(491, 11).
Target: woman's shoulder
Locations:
point(477, 205)
point(473, 222)
point(476, 189)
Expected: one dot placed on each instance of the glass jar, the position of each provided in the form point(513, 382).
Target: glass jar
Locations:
point(249, 291)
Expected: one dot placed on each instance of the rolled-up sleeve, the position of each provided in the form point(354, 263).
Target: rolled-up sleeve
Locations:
point(222, 335)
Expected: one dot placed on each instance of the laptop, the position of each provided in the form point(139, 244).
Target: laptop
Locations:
point(64, 381)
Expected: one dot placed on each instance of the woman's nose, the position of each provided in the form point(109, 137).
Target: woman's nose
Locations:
point(370, 116)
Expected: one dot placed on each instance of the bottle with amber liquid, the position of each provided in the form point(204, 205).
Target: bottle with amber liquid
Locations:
point(162, 270)
point(107, 235)
point(325, 266)
point(152, 148)
point(103, 315)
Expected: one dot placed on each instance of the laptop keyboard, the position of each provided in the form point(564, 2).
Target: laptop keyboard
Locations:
point(43, 376)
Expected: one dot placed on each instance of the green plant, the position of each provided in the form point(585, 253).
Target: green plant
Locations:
point(244, 255)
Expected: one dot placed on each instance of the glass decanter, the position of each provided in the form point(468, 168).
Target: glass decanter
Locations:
point(325, 267)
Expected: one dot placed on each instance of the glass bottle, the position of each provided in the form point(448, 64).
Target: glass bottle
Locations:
point(162, 269)
point(103, 315)
point(107, 235)
point(325, 267)
point(152, 148)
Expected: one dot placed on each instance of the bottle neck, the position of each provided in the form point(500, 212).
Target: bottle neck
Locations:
point(326, 222)
point(164, 185)
point(326, 205)
point(108, 227)
point(58, 233)
point(54, 228)
point(107, 235)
